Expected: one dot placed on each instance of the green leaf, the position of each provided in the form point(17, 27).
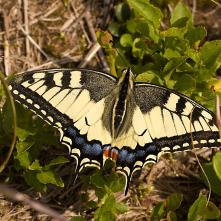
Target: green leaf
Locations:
point(149, 76)
point(195, 35)
point(23, 134)
point(171, 216)
point(177, 44)
point(217, 164)
point(122, 12)
point(173, 32)
point(181, 14)
point(7, 118)
point(116, 183)
point(147, 11)
point(173, 201)
point(78, 218)
point(213, 179)
point(143, 28)
point(24, 146)
point(31, 179)
point(114, 29)
point(158, 212)
point(50, 176)
point(58, 160)
point(211, 211)
point(35, 166)
point(138, 48)
point(121, 207)
point(193, 54)
point(24, 159)
point(196, 211)
point(171, 66)
point(106, 216)
point(2, 92)
point(170, 53)
point(126, 40)
point(108, 208)
point(204, 74)
point(147, 29)
point(97, 179)
point(132, 25)
point(211, 53)
point(185, 82)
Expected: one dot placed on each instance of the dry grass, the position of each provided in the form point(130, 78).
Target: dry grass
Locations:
point(42, 34)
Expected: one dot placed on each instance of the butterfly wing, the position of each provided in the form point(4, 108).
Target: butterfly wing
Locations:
point(72, 101)
point(164, 120)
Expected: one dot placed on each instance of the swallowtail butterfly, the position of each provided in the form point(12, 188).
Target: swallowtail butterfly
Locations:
point(102, 117)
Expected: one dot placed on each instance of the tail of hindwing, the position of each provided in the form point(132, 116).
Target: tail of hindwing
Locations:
point(129, 161)
point(86, 153)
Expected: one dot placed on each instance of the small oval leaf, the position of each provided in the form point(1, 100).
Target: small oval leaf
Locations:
point(217, 164)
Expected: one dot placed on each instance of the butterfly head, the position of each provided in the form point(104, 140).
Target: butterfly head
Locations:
point(127, 76)
point(127, 71)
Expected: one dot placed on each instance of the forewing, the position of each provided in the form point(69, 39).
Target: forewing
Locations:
point(73, 102)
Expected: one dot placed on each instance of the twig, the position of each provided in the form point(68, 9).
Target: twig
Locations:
point(58, 62)
point(27, 45)
point(51, 9)
point(6, 46)
point(25, 199)
point(107, 13)
point(33, 41)
point(194, 9)
point(68, 23)
point(215, 2)
point(79, 21)
point(90, 26)
point(90, 55)
point(79, 18)
point(210, 13)
point(94, 38)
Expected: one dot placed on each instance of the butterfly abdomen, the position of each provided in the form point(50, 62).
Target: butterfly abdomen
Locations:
point(122, 101)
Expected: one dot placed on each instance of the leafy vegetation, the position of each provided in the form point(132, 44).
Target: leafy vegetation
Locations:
point(176, 56)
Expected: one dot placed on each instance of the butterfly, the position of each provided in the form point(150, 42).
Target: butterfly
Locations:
point(101, 117)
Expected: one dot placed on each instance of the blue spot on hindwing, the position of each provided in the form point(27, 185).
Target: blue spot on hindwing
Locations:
point(87, 149)
point(79, 140)
point(130, 158)
point(152, 149)
point(71, 132)
point(140, 153)
point(96, 149)
point(122, 155)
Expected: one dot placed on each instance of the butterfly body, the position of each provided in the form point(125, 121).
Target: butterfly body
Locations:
point(102, 117)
